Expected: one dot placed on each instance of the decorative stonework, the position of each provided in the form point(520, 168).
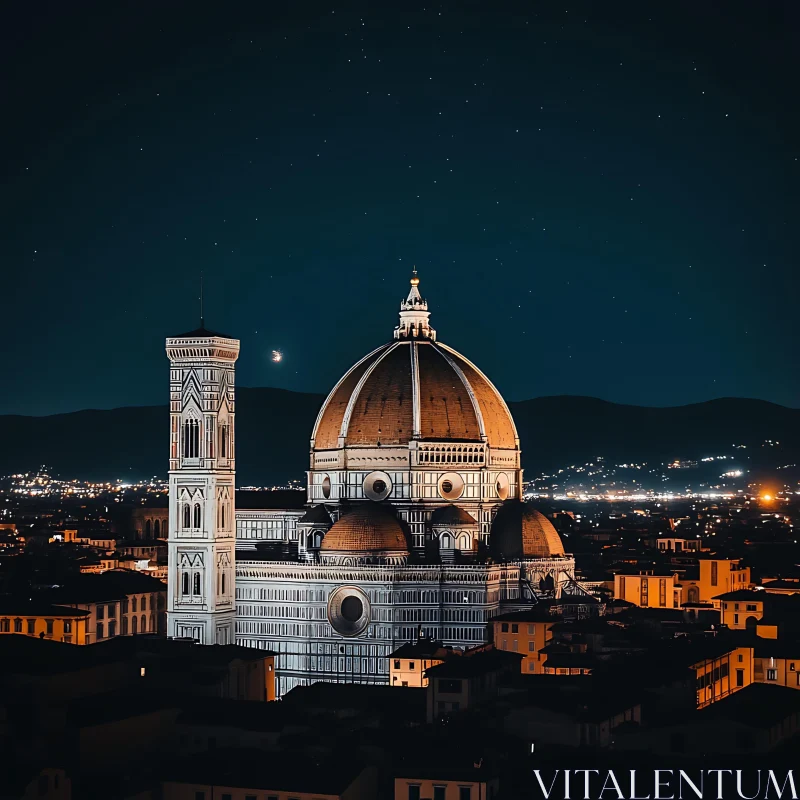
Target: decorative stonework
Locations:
point(412, 454)
point(201, 487)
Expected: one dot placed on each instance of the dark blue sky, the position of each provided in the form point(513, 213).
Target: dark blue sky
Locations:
point(601, 198)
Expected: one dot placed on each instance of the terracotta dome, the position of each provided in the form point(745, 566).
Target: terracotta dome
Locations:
point(413, 389)
point(520, 531)
point(368, 528)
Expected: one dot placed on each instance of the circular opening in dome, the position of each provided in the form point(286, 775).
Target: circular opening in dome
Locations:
point(502, 486)
point(447, 486)
point(352, 608)
point(326, 487)
point(379, 486)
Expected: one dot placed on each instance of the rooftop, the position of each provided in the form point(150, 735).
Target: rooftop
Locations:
point(742, 594)
point(759, 705)
point(476, 663)
point(424, 648)
point(201, 333)
point(25, 607)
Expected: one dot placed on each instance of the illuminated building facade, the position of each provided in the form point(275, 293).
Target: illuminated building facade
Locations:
point(413, 524)
point(43, 621)
point(202, 469)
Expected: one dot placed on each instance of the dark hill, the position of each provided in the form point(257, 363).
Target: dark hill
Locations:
point(274, 428)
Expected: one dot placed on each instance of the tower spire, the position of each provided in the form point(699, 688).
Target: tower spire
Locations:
point(414, 314)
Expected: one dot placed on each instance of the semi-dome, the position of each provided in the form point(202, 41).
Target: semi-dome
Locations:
point(520, 531)
point(369, 528)
point(414, 388)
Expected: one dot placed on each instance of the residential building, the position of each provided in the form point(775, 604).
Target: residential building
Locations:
point(469, 681)
point(526, 633)
point(648, 589)
point(441, 783)
point(409, 663)
point(44, 621)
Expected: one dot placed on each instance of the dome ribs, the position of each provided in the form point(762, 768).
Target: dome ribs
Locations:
point(446, 411)
point(329, 425)
point(382, 413)
point(414, 389)
point(497, 421)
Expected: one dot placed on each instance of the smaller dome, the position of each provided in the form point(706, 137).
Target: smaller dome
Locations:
point(450, 515)
point(368, 528)
point(520, 531)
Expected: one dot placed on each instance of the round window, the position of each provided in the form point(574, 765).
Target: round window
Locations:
point(326, 487)
point(502, 486)
point(377, 486)
point(451, 486)
point(349, 611)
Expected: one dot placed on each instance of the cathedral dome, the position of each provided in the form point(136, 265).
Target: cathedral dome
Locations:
point(413, 388)
point(520, 531)
point(369, 528)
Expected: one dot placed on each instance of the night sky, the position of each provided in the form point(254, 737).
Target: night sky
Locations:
point(601, 198)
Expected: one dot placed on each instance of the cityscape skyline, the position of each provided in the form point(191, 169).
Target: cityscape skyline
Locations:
point(268, 531)
point(588, 219)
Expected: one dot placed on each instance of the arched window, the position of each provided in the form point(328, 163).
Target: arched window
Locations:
point(144, 624)
point(134, 625)
point(196, 586)
point(147, 531)
point(187, 522)
point(223, 441)
point(185, 583)
point(133, 604)
point(222, 515)
point(144, 603)
point(222, 584)
point(157, 528)
point(124, 626)
point(191, 438)
point(152, 623)
point(197, 515)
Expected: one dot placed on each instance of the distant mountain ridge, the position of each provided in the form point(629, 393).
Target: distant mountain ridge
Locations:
point(274, 428)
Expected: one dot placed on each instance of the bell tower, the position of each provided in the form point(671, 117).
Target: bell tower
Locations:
point(201, 598)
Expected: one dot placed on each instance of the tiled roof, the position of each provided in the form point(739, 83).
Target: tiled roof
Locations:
point(369, 527)
point(454, 400)
point(520, 531)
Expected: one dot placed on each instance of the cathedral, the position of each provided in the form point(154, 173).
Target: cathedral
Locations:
point(414, 522)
